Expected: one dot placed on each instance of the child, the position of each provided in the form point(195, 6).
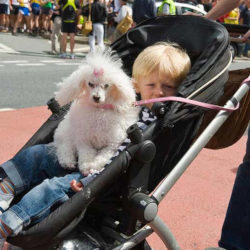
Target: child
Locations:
point(155, 74)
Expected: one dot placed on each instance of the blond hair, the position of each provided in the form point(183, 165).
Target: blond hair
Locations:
point(169, 59)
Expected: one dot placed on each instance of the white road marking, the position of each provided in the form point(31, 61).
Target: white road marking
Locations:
point(85, 49)
point(50, 61)
point(5, 49)
point(6, 109)
point(20, 61)
point(66, 64)
point(30, 64)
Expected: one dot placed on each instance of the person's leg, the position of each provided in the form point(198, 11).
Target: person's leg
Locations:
point(65, 31)
point(31, 166)
point(13, 16)
point(44, 199)
point(72, 42)
point(58, 31)
point(246, 48)
point(36, 24)
point(53, 38)
point(100, 35)
point(235, 230)
point(64, 43)
point(18, 20)
point(43, 20)
point(27, 21)
point(32, 21)
point(3, 14)
point(7, 20)
point(92, 38)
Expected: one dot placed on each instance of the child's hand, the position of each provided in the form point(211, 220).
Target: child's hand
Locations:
point(76, 186)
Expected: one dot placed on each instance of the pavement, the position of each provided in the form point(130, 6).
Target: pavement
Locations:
point(194, 209)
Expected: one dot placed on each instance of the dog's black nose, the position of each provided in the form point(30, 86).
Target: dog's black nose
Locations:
point(96, 98)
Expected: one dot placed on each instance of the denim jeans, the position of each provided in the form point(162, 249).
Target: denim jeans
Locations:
point(33, 165)
point(236, 228)
point(39, 202)
point(36, 167)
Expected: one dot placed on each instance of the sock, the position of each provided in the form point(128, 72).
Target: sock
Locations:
point(6, 186)
point(5, 231)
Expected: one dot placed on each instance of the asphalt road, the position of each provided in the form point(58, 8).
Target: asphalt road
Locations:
point(28, 73)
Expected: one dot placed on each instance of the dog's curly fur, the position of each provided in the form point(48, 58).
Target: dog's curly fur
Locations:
point(101, 111)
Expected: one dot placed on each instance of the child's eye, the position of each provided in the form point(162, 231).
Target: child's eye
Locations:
point(151, 85)
point(91, 85)
point(167, 87)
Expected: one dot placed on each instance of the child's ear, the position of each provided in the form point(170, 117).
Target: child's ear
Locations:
point(136, 86)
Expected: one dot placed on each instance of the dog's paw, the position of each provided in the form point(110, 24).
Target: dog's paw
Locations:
point(85, 168)
point(89, 168)
point(68, 164)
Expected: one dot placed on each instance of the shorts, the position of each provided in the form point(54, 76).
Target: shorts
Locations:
point(46, 11)
point(14, 10)
point(36, 8)
point(68, 27)
point(24, 10)
point(3, 8)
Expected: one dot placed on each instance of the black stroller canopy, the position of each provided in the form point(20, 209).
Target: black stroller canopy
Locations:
point(206, 42)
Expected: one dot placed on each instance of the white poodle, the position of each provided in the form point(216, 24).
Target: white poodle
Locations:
point(101, 111)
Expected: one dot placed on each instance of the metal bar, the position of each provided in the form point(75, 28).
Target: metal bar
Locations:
point(135, 239)
point(164, 233)
point(199, 144)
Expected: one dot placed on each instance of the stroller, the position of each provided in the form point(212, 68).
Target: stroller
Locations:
point(115, 210)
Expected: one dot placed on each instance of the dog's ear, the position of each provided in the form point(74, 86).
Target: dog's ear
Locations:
point(123, 95)
point(115, 93)
point(72, 87)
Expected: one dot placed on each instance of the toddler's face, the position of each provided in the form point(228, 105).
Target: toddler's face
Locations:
point(152, 86)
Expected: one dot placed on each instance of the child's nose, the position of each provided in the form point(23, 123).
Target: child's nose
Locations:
point(159, 92)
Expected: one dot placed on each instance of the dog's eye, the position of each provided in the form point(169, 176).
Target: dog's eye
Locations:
point(91, 85)
point(106, 86)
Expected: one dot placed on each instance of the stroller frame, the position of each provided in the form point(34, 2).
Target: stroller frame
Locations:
point(145, 207)
point(157, 225)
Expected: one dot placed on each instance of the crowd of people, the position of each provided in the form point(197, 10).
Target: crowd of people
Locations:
point(60, 18)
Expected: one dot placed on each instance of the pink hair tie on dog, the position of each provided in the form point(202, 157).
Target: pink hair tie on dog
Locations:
point(98, 72)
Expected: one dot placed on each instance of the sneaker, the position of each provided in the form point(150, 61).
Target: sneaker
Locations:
point(5, 200)
point(53, 52)
point(63, 55)
point(14, 33)
point(72, 56)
